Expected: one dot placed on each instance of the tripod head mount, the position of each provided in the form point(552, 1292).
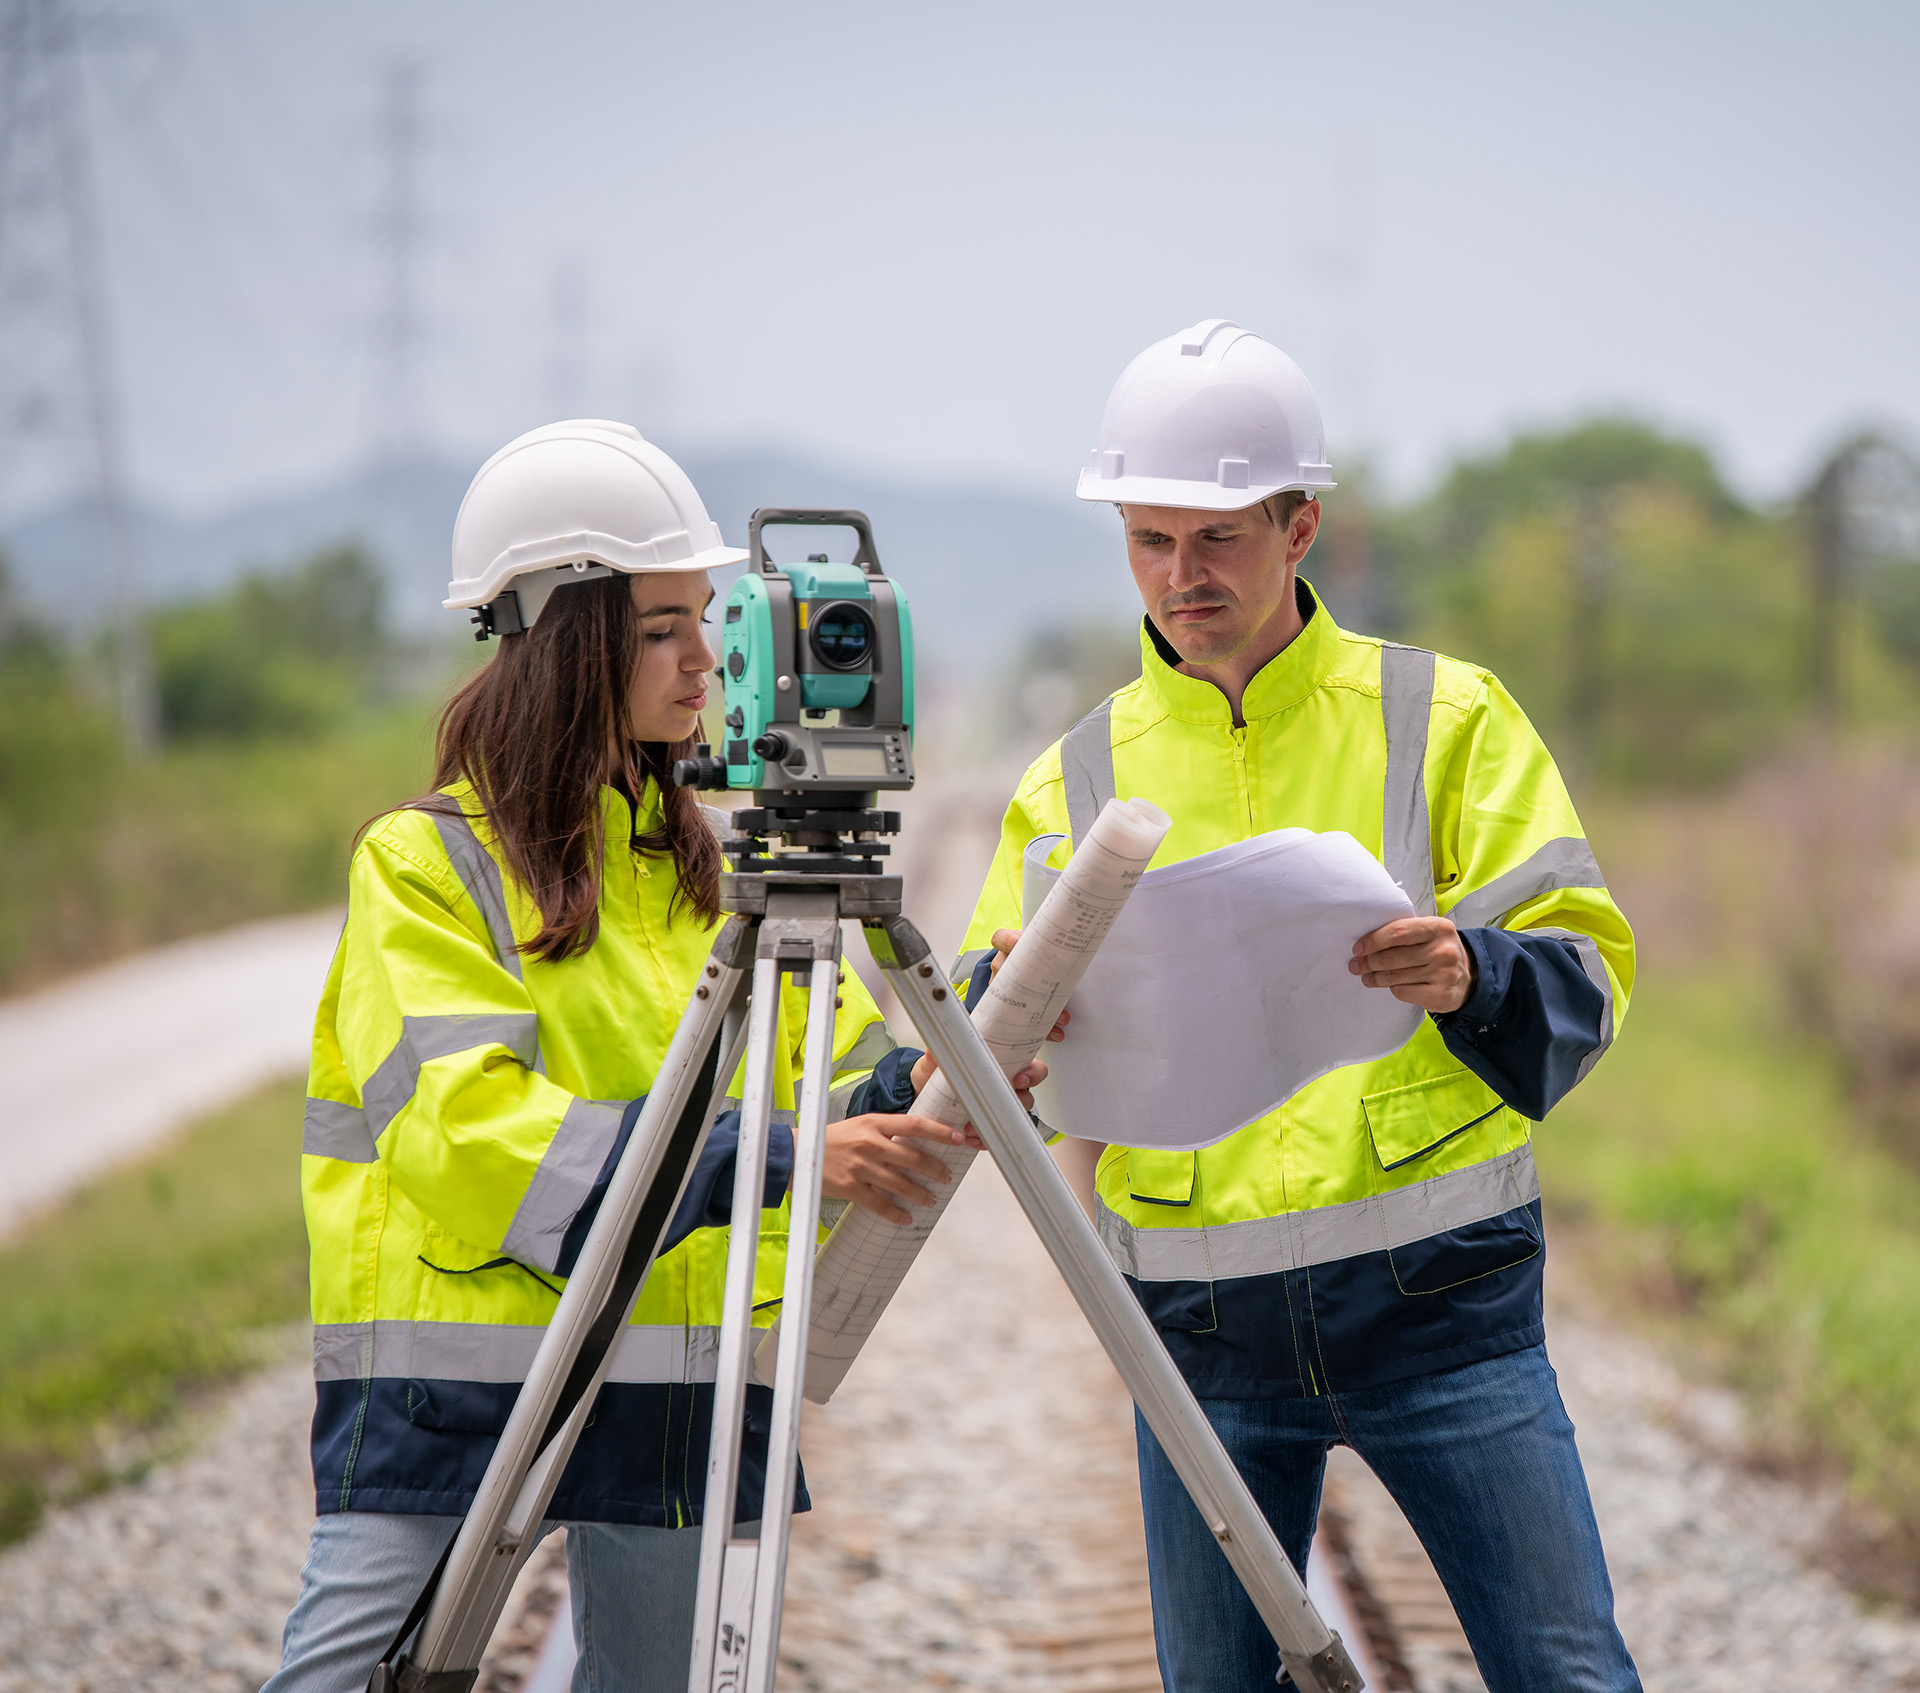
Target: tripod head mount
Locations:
point(787, 839)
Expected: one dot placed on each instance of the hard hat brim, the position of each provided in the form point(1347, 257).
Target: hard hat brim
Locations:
point(1186, 496)
point(627, 557)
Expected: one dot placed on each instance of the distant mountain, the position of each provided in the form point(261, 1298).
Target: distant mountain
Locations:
point(983, 567)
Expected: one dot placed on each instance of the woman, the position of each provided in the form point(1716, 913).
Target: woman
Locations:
point(519, 947)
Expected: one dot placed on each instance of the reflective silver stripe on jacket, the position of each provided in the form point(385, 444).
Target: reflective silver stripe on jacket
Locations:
point(1588, 951)
point(422, 1039)
point(1264, 1246)
point(561, 1183)
point(1406, 705)
point(1564, 863)
point(1086, 767)
point(968, 962)
point(872, 1046)
point(480, 876)
point(502, 1352)
point(333, 1130)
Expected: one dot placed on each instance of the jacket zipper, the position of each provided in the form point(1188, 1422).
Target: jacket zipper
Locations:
point(1238, 735)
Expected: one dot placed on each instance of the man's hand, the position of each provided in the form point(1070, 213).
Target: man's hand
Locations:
point(1420, 960)
point(1024, 1082)
point(1028, 1079)
point(1003, 941)
point(872, 1161)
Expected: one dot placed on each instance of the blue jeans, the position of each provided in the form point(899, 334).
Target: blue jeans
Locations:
point(632, 1591)
point(1482, 1461)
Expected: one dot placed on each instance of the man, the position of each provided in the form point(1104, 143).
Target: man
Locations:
point(1363, 1265)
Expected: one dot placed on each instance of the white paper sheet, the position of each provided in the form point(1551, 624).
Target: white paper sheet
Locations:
point(1222, 990)
point(866, 1258)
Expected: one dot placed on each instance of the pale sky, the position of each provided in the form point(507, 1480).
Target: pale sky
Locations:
point(926, 239)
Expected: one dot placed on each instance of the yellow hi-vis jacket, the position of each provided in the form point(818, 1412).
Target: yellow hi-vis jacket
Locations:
point(1384, 1222)
point(467, 1103)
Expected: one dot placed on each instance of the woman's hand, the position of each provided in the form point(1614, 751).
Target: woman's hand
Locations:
point(872, 1161)
point(1036, 1072)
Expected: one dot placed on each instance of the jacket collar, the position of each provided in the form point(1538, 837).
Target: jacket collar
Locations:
point(641, 814)
point(1284, 681)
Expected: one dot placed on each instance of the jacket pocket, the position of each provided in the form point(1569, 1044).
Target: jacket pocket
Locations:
point(460, 1407)
point(1408, 1123)
point(1467, 1253)
point(452, 1256)
point(1183, 1306)
point(1160, 1178)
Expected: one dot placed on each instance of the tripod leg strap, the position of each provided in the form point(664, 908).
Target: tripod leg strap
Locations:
point(404, 1678)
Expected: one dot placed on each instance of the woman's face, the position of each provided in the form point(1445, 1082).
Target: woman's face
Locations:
point(669, 683)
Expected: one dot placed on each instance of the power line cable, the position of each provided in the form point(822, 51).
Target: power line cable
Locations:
point(60, 401)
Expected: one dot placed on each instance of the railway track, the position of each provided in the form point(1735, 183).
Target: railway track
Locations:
point(978, 1524)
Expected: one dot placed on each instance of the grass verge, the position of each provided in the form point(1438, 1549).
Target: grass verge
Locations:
point(201, 836)
point(140, 1291)
point(1716, 1174)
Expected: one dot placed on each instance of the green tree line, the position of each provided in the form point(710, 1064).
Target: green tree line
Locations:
point(285, 723)
point(1659, 630)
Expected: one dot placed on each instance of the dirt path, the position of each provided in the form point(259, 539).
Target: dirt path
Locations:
point(103, 1065)
point(977, 1524)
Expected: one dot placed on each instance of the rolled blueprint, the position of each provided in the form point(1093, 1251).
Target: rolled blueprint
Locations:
point(865, 1258)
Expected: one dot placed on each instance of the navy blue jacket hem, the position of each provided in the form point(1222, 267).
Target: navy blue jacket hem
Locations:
point(1400, 1369)
point(412, 1502)
point(1354, 1323)
point(420, 1446)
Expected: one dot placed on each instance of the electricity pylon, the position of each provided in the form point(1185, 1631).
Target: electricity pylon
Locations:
point(60, 422)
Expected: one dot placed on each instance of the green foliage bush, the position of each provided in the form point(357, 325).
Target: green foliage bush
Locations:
point(284, 735)
point(1652, 626)
point(1725, 1177)
point(282, 654)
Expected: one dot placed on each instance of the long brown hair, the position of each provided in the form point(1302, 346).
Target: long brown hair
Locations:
point(532, 731)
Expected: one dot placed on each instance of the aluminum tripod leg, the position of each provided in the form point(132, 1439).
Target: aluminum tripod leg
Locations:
point(512, 1498)
point(742, 1582)
point(726, 1564)
point(1309, 1649)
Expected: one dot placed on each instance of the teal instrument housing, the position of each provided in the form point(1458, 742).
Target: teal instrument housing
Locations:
point(817, 664)
point(817, 588)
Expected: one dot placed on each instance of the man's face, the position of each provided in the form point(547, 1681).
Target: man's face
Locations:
point(1215, 582)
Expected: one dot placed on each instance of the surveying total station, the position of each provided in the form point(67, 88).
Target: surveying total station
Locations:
point(818, 667)
point(817, 662)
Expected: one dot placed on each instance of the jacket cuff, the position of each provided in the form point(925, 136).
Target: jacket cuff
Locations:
point(577, 1230)
point(976, 988)
point(889, 1090)
point(1482, 1006)
point(708, 1200)
point(1533, 1021)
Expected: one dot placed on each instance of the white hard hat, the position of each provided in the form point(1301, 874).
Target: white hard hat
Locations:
point(1212, 419)
point(572, 500)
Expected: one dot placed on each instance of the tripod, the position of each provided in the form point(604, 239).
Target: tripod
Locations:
point(788, 908)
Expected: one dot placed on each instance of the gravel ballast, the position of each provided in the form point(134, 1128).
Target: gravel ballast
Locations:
point(977, 1523)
